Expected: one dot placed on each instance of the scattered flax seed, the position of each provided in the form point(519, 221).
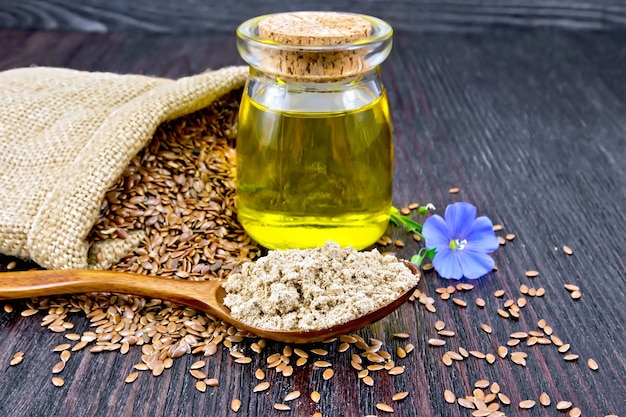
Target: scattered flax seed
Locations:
point(523, 289)
point(480, 302)
point(518, 359)
point(477, 354)
point(400, 352)
point(201, 386)
point(576, 295)
point(401, 335)
point(575, 412)
point(261, 387)
point(501, 240)
point(235, 405)
point(519, 335)
point(65, 355)
point(399, 396)
point(486, 328)
point(463, 352)
point(498, 293)
point(465, 403)
point(259, 374)
point(446, 359)
point(564, 348)
point(8, 308)
point(328, 373)
point(490, 358)
point(292, 396)
point(427, 267)
point(453, 190)
point(367, 380)
point(567, 250)
point(197, 365)
point(593, 365)
point(563, 405)
point(212, 382)
point(440, 325)
point(29, 312)
point(317, 414)
point(16, 360)
point(521, 302)
point(503, 313)
point(398, 243)
point(396, 370)
point(510, 236)
point(526, 404)
point(481, 383)
point(384, 407)
point(497, 227)
point(301, 353)
point(58, 367)
point(446, 333)
point(504, 399)
point(409, 348)
point(315, 397)
point(531, 273)
point(512, 342)
point(58, 382)
point(544, 399)
point(288, 371)
point(454, 355)
point(405, 210)
point(540, 292)
point(198, 374)
point(131, 377)
point(322, 364)
point(449, 396)
point(571, 357)
point(436, 342)
point(495, 388)
point(459, 302)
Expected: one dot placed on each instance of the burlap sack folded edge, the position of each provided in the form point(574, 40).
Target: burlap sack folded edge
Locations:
point(58, 237)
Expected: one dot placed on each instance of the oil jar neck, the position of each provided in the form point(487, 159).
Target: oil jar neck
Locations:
point(277, 94)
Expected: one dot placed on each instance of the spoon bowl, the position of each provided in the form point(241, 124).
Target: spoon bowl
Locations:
point(207, 296)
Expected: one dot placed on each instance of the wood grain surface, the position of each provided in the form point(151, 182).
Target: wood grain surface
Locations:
point(529, 124)
point(201, 15)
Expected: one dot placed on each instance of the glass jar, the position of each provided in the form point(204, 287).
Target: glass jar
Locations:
point(314, 143)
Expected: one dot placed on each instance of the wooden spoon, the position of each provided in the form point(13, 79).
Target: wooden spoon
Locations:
point(207, 296)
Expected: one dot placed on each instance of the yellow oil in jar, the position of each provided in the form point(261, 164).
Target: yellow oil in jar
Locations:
point(304, 178)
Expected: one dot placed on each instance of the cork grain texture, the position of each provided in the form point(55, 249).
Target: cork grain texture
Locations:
point(324, 29)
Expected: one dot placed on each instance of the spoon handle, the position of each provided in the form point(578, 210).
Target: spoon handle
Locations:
point(38, 283)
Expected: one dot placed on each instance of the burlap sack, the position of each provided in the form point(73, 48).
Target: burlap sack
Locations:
point(65, 137)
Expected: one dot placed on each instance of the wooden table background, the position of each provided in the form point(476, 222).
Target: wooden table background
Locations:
point(530, 124)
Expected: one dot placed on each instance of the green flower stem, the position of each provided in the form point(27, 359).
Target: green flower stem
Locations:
point(411, 226)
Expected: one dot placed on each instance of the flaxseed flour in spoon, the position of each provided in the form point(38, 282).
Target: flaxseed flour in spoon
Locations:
point(316, 288)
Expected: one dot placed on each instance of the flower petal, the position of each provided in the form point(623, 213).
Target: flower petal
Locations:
point(459, 217)
point(481, 237)
point(446, 263)
point(435, 232)
point(475, 264)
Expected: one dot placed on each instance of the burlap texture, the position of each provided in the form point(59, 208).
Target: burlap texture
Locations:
point(65, 137)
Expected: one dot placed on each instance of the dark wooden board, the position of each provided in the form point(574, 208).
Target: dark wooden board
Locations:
point(529, 124)
point(200, 15)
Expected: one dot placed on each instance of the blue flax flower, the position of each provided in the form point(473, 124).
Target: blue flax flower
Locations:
point(461, 242)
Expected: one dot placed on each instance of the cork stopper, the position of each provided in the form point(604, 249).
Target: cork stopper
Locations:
point(311, 29)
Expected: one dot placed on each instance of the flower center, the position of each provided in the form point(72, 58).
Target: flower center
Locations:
point(458, 244)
